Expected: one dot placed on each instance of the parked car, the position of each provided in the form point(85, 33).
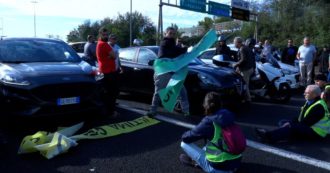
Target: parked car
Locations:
point(290, 72)
point(201, 79)
point(44, 77)
point(78, 47)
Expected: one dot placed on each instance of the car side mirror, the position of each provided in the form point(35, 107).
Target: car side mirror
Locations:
point(219, 60)
point(151, 62)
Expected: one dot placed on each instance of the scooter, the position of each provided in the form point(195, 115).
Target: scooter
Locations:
point(267, 81)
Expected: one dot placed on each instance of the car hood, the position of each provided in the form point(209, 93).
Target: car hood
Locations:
point(211, 70)
point(47, 68)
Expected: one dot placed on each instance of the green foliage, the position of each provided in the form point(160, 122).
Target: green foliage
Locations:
point(283, 19)
point(142, 28)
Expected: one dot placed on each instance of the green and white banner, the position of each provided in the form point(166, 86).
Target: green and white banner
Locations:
point(179, 65)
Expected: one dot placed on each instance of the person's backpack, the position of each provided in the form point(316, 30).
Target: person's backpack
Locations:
point(234, 138)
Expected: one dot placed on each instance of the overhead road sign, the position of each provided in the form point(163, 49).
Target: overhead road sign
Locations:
point(240, 4)
point(240, 14)
point(218, 9)
point(194, 5)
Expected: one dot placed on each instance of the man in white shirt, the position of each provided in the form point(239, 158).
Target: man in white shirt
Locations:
point(114, 45)
point(306, 54)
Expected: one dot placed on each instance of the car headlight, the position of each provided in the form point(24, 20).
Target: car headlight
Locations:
point(208, 80)
point(13, 80)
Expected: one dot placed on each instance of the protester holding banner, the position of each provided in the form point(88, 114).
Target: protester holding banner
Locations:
point(215, 156)
point(168, 49)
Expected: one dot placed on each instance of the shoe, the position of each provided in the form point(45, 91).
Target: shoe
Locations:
point(186, 160)
point(186, 114)
point(151, 114)
point(262, 135)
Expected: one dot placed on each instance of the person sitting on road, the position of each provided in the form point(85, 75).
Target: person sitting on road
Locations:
point(312, 123)
point(211, 158)
point(321, 81)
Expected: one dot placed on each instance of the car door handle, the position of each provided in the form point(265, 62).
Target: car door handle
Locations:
point(136, 69)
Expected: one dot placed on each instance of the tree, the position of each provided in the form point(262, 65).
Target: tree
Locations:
point(207, 23)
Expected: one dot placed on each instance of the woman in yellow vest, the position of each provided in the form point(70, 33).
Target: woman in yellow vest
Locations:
point(312, 123)
point(211, 158)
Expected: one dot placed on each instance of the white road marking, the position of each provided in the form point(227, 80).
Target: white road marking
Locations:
point(256, 145)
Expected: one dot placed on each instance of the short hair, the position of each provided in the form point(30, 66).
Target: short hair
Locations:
point(170, 28)
point(320, 76)
point(89, 37)
point(103, 29)
point(315, 89)
point(326, 93)
point(238, 40)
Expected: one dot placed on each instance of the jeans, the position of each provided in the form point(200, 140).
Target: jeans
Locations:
point(198, 155)
point(161, 83)
point(305, 69)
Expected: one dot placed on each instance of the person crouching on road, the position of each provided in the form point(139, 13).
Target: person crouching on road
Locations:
point(313, 122)
point(210, 158)
point(107, 65)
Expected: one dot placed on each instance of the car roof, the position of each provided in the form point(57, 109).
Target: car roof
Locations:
point(30, 39)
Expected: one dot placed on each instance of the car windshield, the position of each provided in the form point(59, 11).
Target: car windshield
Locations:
point(18, 51)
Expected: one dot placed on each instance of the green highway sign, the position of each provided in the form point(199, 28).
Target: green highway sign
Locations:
point(218, 9)
point(194, 5)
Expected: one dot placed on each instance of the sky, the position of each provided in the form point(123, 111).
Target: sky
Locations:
point(59, 17)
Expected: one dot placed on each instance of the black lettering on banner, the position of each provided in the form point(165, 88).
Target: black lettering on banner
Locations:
point(146, 120)
point(168, 96)
point(129, 124)
point(96, 131)
point(137, 122)
point(113, 126)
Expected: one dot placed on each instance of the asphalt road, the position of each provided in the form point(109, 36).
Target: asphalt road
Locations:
point(156, 148)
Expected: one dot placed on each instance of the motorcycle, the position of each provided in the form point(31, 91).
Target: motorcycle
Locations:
point(267, 82)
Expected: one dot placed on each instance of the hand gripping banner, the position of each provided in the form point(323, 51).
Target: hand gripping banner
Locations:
point(179, 65)
point(53, 144)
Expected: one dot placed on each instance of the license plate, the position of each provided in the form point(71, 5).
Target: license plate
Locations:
point(68, 101)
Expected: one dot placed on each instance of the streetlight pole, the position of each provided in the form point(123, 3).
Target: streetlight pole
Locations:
point(34, 17)
point(130, 25)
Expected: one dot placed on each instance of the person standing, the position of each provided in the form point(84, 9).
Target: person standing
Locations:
point(90, 50)
point(245, 64)
point(114, 45)
point(223, 49)
point(289, 53)
point(168, 49)
point(311, 124)
point(306, 55)
point(106, 59)
point(323, 60)
point(213, 157)
point(267, 50)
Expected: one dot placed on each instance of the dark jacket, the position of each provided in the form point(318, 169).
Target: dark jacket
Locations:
point(168, 49)
point(222, 50)
point(246, 59)
point(324, 61)
point(289, 55)
point(315, 114)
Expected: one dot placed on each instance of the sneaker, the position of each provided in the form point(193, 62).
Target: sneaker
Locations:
point(262, 135)
point(186, 160)
point(150, 114)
